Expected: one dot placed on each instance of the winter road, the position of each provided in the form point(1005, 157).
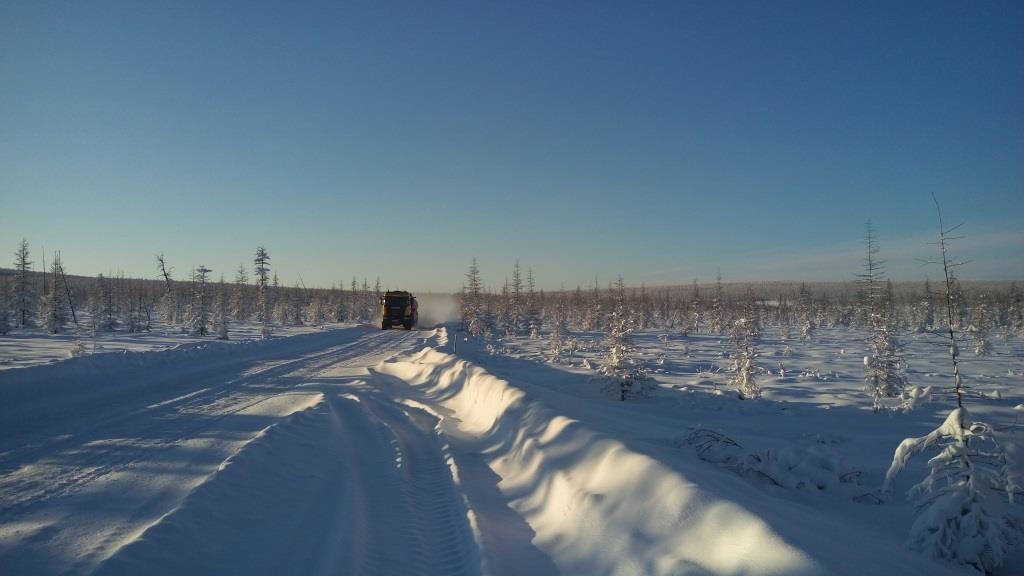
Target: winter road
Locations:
point(276, 457)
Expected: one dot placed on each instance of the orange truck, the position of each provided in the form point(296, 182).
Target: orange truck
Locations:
point(398, 308)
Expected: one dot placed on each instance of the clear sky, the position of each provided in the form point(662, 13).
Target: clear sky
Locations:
point(656, 140)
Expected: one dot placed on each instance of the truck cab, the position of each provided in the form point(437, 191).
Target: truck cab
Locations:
point(398, 308)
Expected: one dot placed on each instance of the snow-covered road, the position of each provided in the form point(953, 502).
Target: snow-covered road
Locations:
point(262, 459)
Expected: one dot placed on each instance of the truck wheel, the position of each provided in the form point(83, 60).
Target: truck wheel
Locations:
point(407, 325)
point(385, 326)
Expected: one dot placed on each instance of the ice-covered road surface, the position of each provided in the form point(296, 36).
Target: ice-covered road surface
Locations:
point(269, 458)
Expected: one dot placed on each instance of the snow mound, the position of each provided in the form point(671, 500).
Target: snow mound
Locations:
point(596, 506)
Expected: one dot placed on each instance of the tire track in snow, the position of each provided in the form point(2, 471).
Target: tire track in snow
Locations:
point(352, 485)
point(20, 492)
point(138, 401)
point(444, 541)
point(65, 475)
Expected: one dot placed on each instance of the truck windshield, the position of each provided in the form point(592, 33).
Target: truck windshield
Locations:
point(397, 301)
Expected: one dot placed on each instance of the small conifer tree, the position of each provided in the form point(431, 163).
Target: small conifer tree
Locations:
point(744, 336)
point(223, 311)
point(200, 308)
point(626, 374)
point(960, 514)
point(261, 268)
point(55, 306)
point(240, 307)
point(23, 295)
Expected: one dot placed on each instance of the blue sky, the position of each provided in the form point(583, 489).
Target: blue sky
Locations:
point(656, 140)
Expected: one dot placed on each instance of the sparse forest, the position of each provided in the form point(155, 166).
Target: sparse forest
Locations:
point(59, 302)
point(756, 340)
point(961, 505)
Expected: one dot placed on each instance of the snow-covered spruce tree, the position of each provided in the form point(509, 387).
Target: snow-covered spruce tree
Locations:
point(960, 511)
point(504, 314)
point(575, 307)
point(696, 311)
point(981, 320)
point(138, 310)
point(55, 305)
point(645, 314)
point(107, 321)
point(222, 310)
point(889, 302)
point(279, 295)
point(338, 311)
point(5, 307)
point(168, 302)
point(744, 336)
point(626, 374)
point(805, 312)
point(517, 308)
point(354, 301)
point(370, 303)
point(282, 308)
point(200, 306)
point(884, 365)
point(471, 302)
point(95, 308)
point(785, 322)
point(22, 295)
point(718, 307)
point(261, 268)
point(885, 375)
point(959, 300)
point(556, 340)
point(926, 310)
point(316, 311)
point(240, 307)
point(532, 314)
point(297, 306)
point(594, 316)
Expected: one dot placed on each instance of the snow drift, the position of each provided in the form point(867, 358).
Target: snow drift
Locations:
point(596, 506)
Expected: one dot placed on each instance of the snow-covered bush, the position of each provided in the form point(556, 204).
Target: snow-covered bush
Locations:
point(625, 373)
point(745, 362)
point(78, 349)
point(960, 508)
point(813, 468)
point(885, 368)
point(981, 321)
point(555, 344)
point(914, 396)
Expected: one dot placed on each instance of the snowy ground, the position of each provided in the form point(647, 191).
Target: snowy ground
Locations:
point(352, 450)
point(31, 347)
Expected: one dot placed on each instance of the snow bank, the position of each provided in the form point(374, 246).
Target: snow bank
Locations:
point(596, 506)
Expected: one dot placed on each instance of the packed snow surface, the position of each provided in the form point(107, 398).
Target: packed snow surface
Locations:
point(359, 451)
